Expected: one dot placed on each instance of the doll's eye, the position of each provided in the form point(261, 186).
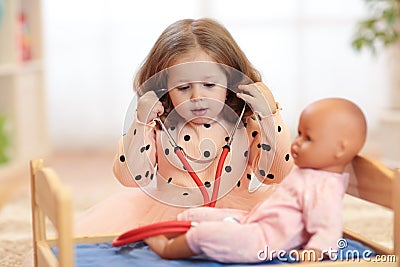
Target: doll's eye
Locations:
point(305, 137)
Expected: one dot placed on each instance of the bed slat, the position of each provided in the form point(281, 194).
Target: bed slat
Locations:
point(45, 256)
point(371, 181)
point(46, 197)
point(379, 249)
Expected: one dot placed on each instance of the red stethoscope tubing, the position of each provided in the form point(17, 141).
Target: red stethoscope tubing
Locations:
point(159, 228)
point(221, 161)
point(199, 183)
point(225, 150)
point(192, 173)
point(176, 227)
point(179, 227)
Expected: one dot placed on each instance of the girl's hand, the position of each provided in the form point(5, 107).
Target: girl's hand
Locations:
point(259, 97)
point(149, 107)
point(308, 255)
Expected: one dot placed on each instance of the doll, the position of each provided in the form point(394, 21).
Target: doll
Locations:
point(305, 210)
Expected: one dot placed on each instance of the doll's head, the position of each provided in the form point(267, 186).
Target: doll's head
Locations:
point(183, 41)
point(331, 132)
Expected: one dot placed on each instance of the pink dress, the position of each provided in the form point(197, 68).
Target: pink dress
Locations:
point(304, 211)
point(160, 187)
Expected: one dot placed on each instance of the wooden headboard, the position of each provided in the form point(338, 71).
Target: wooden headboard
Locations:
point(372, 181)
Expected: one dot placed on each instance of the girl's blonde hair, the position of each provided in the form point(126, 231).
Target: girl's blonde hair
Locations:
point(181, 38)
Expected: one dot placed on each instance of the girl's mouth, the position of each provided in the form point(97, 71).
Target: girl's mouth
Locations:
point(199, 111)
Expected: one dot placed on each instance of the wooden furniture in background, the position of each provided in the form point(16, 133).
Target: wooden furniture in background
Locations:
point(53, 201)
point(22, 96)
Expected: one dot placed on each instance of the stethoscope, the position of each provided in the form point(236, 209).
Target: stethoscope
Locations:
point(179, 227)
point(183, 158)
point(159, 228)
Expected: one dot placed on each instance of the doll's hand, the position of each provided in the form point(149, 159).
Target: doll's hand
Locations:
point(259, 97)
point(197, 214)
point(149, 107)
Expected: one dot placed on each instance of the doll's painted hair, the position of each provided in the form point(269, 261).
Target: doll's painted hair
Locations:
point(181, 38)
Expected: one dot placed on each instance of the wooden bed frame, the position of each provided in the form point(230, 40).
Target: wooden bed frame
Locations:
point(370, 181)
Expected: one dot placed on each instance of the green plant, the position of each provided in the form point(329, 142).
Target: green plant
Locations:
point(381, 28)
point(4, 140)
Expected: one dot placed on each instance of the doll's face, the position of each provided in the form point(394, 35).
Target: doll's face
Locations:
point(331, 132)
point(197, 91)
point(317, 142)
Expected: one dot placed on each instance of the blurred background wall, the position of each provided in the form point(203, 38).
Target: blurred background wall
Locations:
point(93, 48)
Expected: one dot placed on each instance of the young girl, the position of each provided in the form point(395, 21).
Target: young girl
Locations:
point(303, 213)
point(194, 108)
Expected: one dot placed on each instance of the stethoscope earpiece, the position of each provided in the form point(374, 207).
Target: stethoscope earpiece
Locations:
point(161, 92)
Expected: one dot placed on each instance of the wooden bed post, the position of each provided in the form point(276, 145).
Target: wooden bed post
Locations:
point(38, 227)
point(53, 201)
point(65, 225)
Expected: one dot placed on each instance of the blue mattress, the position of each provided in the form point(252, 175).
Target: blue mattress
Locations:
point(139, 254)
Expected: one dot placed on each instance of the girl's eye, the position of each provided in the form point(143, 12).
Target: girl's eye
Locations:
point(308, 138)
point(209, 85)
point(183, 87)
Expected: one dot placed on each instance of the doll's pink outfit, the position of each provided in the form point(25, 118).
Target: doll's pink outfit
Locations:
point(305, 211)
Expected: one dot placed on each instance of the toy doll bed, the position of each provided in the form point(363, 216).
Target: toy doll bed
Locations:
point(370, 181)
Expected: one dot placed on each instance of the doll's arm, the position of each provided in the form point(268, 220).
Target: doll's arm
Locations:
point(221, 241)
point(202, 214)
point(134, 164)
point(323, 215)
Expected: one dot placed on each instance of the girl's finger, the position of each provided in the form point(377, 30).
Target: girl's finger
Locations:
point(252, 89)
point(159, 109)
point(247, 98)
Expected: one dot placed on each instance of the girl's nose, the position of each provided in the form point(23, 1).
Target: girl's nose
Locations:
point(196, 92)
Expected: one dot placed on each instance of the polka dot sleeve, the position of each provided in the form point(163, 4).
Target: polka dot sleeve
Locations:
point(270, 148)
point(134, 165)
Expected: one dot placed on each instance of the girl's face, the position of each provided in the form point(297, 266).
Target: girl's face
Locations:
point(198, 88)
point(316, 144)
